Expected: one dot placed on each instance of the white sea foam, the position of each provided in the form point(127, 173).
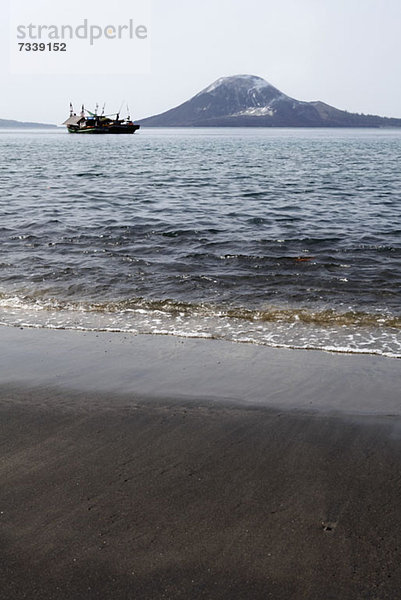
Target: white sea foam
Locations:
point(385, 341)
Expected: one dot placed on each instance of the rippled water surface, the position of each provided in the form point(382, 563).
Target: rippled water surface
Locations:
point(279, 237)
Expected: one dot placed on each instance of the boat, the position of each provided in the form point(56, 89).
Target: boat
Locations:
point(90, 122)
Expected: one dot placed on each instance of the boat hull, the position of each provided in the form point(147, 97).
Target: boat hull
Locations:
point(116, 129)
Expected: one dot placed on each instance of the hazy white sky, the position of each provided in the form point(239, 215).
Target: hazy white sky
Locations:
point(343, 52)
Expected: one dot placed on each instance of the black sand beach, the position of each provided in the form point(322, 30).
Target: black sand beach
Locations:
point(155, 467)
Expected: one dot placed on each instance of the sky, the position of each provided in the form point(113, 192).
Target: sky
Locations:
point(343, 52)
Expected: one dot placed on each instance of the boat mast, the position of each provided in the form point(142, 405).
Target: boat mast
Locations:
point(119, 110)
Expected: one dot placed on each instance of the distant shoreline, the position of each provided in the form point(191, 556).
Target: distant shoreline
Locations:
point(39, 126)
point(11, 124)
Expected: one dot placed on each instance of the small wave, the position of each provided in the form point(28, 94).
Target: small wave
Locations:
point(172, 307)
point(91, 175)
point(301, 328)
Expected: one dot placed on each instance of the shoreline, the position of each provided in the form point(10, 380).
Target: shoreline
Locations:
point(156, 366)
point(152, 467)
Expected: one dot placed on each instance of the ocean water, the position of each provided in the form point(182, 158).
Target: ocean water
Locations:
point(288, 238)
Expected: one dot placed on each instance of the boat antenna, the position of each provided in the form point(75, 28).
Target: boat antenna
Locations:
point(128, 111)
point(104, 106)
point(71, 110)
point(96, 109)
point(83, 111)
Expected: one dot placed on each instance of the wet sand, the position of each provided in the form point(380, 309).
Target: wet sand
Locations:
point(151, 467)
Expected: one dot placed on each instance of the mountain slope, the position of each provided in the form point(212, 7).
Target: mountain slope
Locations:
point(10, 124)
point(250, 101)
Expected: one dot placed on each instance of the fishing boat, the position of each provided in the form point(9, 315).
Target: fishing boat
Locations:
point(92, 122)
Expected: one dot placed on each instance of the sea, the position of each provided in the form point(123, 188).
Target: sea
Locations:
point(280, 237)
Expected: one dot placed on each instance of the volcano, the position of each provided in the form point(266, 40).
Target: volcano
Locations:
point(250, 101)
